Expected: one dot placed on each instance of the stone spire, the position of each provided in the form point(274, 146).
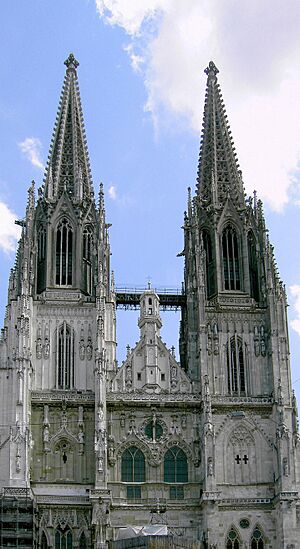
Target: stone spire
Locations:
point(218, 170)
point(68, 164)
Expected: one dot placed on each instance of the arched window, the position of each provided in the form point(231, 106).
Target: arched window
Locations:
point(44, 544)
point(64, 253)
point(64, 357)
point(82, 542)
point(253, 272)
point(257, 540)
point(63, 539)
point(133, 465)
point(87, 244)
point(230, 255)
point(236, 372)
point(210, 266)
point(133, 470)
point(175, 466)
point(233, 541)
point(41, 259)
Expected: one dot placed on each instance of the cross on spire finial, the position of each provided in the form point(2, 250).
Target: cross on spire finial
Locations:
point(211, 70)
point(71, 62)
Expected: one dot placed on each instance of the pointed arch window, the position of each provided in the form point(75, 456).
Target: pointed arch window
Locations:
point(82, 542)
point(236, 370)
point(133, 465)
point(175, 465)
point(257, 539)
point(210, 264)
point(64, 253)
point(63, 539)
point(231, 260)
point(133, 470)
point(253, 271)
point(233, 540)
point(87, 245)
point(41, 259)
point(44, 544)
point(64, 357)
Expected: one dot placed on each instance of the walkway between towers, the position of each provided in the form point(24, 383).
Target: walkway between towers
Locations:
point(171, 299)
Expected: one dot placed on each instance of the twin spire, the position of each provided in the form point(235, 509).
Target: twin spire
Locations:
point(219, 176)
point(68, 168)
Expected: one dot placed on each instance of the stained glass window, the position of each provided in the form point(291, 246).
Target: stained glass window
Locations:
point(232, 541)
point(175, 466)
point(257, 541)
point(133, 465)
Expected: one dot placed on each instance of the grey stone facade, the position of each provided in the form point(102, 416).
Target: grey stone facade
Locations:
point(206, 449)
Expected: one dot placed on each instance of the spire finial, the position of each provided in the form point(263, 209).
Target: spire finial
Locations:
point(211, 70)
point(71, 62)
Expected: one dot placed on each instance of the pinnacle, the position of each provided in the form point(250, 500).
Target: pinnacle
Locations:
point(71, 62)
point(211, 70)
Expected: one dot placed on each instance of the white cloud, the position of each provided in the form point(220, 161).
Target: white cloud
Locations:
point(112, 192)
point(31, 148)
point(9, 232)
point(295, 294)
point(255, 45)
point(135, 59)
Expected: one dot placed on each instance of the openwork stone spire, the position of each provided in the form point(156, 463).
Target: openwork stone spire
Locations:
point(218, 170)
point(68, 165)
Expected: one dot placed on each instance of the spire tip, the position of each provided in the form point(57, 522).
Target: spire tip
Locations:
point(211, 70)
point(71, 62)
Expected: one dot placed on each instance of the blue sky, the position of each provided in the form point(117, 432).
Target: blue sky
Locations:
point(142, 88)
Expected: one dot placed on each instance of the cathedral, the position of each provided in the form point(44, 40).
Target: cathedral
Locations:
point(197, 453)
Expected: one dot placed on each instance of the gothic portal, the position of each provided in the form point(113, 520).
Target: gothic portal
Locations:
point(199, 453)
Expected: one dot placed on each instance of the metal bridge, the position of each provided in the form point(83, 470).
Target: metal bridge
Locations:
point(171, 299)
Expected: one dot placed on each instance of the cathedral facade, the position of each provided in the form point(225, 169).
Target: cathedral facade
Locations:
point(198, 453)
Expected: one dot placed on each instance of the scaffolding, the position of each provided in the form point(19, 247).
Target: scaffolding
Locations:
point(17, 520)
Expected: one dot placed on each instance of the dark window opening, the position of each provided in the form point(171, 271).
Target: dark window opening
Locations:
point(236, 367)
point(65, 357)
point(253, 270)
point(257, 540)
point(41, 260)
point(87, 246)
point(230, 255)
point(134, 492)
point(133, 465)
point(176, 492)
point(232, 541)
point(175, 466)
point(63, 539)
point(210, 265)
point(64, 254)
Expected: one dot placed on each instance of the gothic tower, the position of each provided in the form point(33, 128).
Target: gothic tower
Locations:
point(235, 345)
point(59, 341)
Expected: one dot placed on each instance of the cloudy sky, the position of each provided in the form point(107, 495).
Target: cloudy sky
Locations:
point(142, 87)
